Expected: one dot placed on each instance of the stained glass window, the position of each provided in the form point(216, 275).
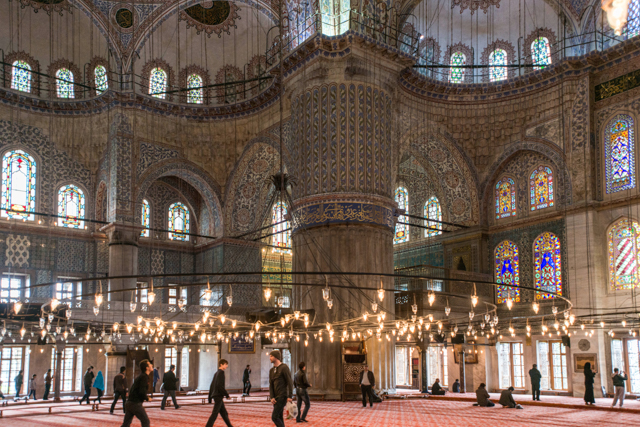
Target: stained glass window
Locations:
point(70, 206)
point(547, 260)
point(619, 153)
point(158, 83)
point(497, 60)
point(432, 210)
point(505, 198)
point(541, 188)
point(426, 57)
point(283, 238)
point(624, 245)
point(21, 76)
point(633, 20)
point(64, 82)
point(178, 222)
point(402, 230)
point(507, 271)
point(195, 95)
point(457, 74)
point(540, 53)
point(335, 16)
point(102, 82)
point(18, 185)
point(144, 219)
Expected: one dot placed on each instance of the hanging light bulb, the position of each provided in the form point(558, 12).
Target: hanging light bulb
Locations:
point(43, 333)
point(129, 328)
point(509, 303)
point(326, 292)
point(65, 335)
point(554, 310)
point(54, 303)
point(132, 306)
point(282, 321)
point(617, 12)
point(17, 306)
point(280, 301)
point(432, 297)
point(306, 342)
point(535, 306)
point(330, 303)
point(474, 300)
point(99, 299)
point(96, 310)
point(23, 331)
point(374, 307)
point(181, 303)
point(267, 294)
point(365, 316)
point(471, 315)
point(223, 318)
point(151, 297)
point(257, 326)
point(381, 291)
point(205, 316)
point(296, 315)
point(67, 313)
point(229, 300)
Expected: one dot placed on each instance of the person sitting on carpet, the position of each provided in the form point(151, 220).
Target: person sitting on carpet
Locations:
point(507, 400)
point(482, 396)
point(456, 386)
point(436, 389)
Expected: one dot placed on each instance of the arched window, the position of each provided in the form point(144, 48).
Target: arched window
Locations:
point(624, 243)
point(432, 210)
point(507, 271)
point(70, 206)
point(101, 80)
point(505, 198)
point(633, 21)
point(18, 185)
point(541, 188)
point(145, 218)
point(158, 83)
point(64, 83)
point(281, 238)
point(178, 222)
point(402, 230)
point(547, 259)
point(335, 16)
point(457, 74)
point(540, 53)
point(196, 93)
point(21, 76)
point(497, 62)
point(619, 154)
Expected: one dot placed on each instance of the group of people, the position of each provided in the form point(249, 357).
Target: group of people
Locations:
point(89, 383)
point(33, 385)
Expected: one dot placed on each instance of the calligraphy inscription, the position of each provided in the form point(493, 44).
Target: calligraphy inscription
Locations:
point(618, 85)
point(344, 212)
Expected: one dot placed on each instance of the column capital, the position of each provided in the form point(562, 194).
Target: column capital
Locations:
point(122, 234)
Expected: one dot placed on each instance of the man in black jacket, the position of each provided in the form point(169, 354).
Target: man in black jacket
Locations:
point(119, 389)
point(170, 386)
point(301, 384)
point(280, 387)
point(436, 388)
point(246, 384)
point(217, 392)
point(535, 375)
point(456, 386)
point(367, 382)
point(137, 395)
point(88, 382)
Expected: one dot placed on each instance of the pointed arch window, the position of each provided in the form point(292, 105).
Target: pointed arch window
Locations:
point(280, 230)
point(21, 76)
point(178, 222)
point(540, 53)
point(497, 63)
point(18, 185)
point(71, 206)
point(64, 83)
point(196, 93)
point(541, 188)
point(505, 198)
point(548, 265)
point(633, 21)
point(402, 230)
point(507, 270)
point(619, 153)
point(158, 83)
point(101, 80)
point(457, 73)
point(145, 218)
point(624, 243)
point(433, 210)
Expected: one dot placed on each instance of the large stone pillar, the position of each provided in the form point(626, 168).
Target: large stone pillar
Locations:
point(60, 345)
point(123, 259)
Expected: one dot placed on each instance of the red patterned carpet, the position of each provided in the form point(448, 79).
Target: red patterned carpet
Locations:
point(406, 413)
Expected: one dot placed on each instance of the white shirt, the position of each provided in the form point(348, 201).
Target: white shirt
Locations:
point(365, 378)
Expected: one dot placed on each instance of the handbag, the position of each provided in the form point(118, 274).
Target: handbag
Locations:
point(292, 410)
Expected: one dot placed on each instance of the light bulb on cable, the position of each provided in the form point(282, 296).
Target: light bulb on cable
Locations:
point(151, 297)
point(381, 291)
point(17, 306)
point(617, 12)
point(509, 303)
point(536, 307)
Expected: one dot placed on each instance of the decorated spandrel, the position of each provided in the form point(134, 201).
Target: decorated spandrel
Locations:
point(145, 218)
point(402, 230)
point(281, 238)
point(619, 153)
point(101, 80)
point(158, 83)
point(540, 53)
point(541, 188)
point(505, 198)
point(623, 245)
point(433, 210)
point(547, 265)
point(457, 74)
point(497, 62)
point(21, 76)
point(507, 271)
point(178, 222)
point(71, 207)
point(18, 185)
point(64, 83)
point(195, 95)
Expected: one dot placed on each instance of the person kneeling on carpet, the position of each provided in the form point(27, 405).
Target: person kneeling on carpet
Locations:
point(507, 400)
point(436, 390)
point(482, 396)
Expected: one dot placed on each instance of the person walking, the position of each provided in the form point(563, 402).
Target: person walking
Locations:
point(98, 384)
point(482, 397)
point(618, 386)
point(156, 378)
point(535, 376)
point(48, 378)
point(280, 387)
point(589, 375)
point(246, 383)
point(138, 395)
point(17, 382)
point(217, 392)
point(32, 387)
point(119, 389)
point(170, 386)
point(367, 382)
point(88, 382)
point(1, 394)
point(301, 384)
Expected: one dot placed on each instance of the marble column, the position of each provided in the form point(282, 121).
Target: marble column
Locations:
point(60, 345)
point(123, 259)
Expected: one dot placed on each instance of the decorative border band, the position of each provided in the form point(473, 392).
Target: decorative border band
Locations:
point(325, 213)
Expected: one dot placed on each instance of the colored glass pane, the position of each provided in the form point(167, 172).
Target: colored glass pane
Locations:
point(547, 265)
point(64, 83)
point(281, 238)
point(457, 74)
point(541, 188)
point(18, 185)
point(633, 20)
point(432, 210)
point(21, 76)
point(624, 242)
point(540, 53)
point(158, 83)
point(497, 62)
point(178, 222)
point(70, 206)
point(145, 218)
point(335, 16)
point(505, 198)
point(230, 90)
point(619, 153)
point(102, 82)
point(196, 93)
point(402, 230)
point(507, 270)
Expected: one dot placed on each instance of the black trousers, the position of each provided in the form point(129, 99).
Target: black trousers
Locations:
point(168, 393)
point(535, 390)
point(218, 408)
point(278, 409)
point(18, 387)
point(367, 390)
point(135, 409)
point(100, 394)
point(438, 393)
point(117, 395)
point(247, 387)
point(33, 392)
point(47, 389)
point(87, 393)
point(303, 396)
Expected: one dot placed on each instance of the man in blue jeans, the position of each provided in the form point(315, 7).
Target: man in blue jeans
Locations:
point(280, 387)
point(119, 389)
point(301, 384)
point(88, 382)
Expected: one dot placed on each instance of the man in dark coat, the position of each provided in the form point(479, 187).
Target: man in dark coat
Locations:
point(280, 387)
point(436, 389)
point(170, 386)
point(217, 392)
point(119, 389)
point(17, 381)
point(507, 400)
point(367, 383)
point(456, 386)
point(88, 382)
point(137, 395)
point(301, 384)
point(535, 375)
point(246, 383)
point(48, 378)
